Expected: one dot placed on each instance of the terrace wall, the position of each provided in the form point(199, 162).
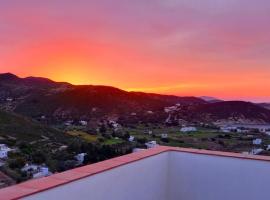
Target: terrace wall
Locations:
point(207, 177)
point(144, 179)
point(168, 174)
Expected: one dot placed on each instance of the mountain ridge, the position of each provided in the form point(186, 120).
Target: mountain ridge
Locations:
point(37, 97)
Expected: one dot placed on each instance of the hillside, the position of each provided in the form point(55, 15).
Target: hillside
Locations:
point(19, 128)
point(226, 111)
point(54, 102)
point(35, 97)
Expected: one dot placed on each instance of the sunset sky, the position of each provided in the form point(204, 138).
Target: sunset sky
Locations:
point(215, 48)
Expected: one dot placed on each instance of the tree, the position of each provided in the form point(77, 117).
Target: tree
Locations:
point(17, 163)
point(103, 129)
point(39, 157)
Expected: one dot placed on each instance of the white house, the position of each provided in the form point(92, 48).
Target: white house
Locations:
point(257, 141)
point(228, 129)
point(68, 123)
point(151, 144)
point(131, 138)
point(80, 157)
point(267, 133)
point(29, 168)
point(42, 172)
point(9, 99)
point(164, 135)
point(188, 129)
point(262, 130)
point(4, 149)
point(239, 130)
point(268, 147)
point(83, 123)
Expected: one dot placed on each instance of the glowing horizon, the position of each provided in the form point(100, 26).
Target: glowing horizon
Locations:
point(217, 48)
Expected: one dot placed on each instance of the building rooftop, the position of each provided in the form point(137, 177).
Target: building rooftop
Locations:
point(160, 173)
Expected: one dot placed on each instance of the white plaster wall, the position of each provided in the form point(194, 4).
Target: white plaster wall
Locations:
point(202, 177)
point(142, 180)
point(172, 176)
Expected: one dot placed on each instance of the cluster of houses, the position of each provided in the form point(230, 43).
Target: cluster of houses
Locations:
point(188, 129)
point(36, 171)
point(229, 129)
point(39, 171)
point(151, 144)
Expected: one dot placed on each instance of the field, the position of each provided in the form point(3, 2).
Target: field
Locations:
point(204, 138)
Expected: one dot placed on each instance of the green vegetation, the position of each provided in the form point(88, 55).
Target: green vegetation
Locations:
point(87, 137)
point(40, 144)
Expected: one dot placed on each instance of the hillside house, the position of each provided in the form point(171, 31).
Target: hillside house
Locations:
point(80, 158)
point(262, 130)
point(188, 129)
point(29, 167)
point(4, 149)
point(267, 133)
point(228, 129)
point(42, 172)
point(83, 123)
point(257, 141)
point(164, 135)
point(239, 130)
point(151, 144)
point(170, 109)
point(36, 171)
point(68, 123)
point(9, 99)
point(131, 138)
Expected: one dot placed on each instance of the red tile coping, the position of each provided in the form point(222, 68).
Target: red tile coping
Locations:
point(38, 185)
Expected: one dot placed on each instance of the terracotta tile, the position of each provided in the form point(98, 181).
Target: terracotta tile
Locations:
point(15, 192)
point(70, 175)
point(98, 167)
point(43, 183)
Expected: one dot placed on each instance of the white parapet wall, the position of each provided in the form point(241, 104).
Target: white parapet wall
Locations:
point(162, 173)
point(206, 177)
point(144, 179)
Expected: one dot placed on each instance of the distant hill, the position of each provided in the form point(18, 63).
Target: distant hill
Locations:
point(210, 99)
point(56, 101)
point(35, 97)
point(230, 111)
point(23, 129)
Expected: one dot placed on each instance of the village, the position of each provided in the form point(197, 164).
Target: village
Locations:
point(95, 140)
